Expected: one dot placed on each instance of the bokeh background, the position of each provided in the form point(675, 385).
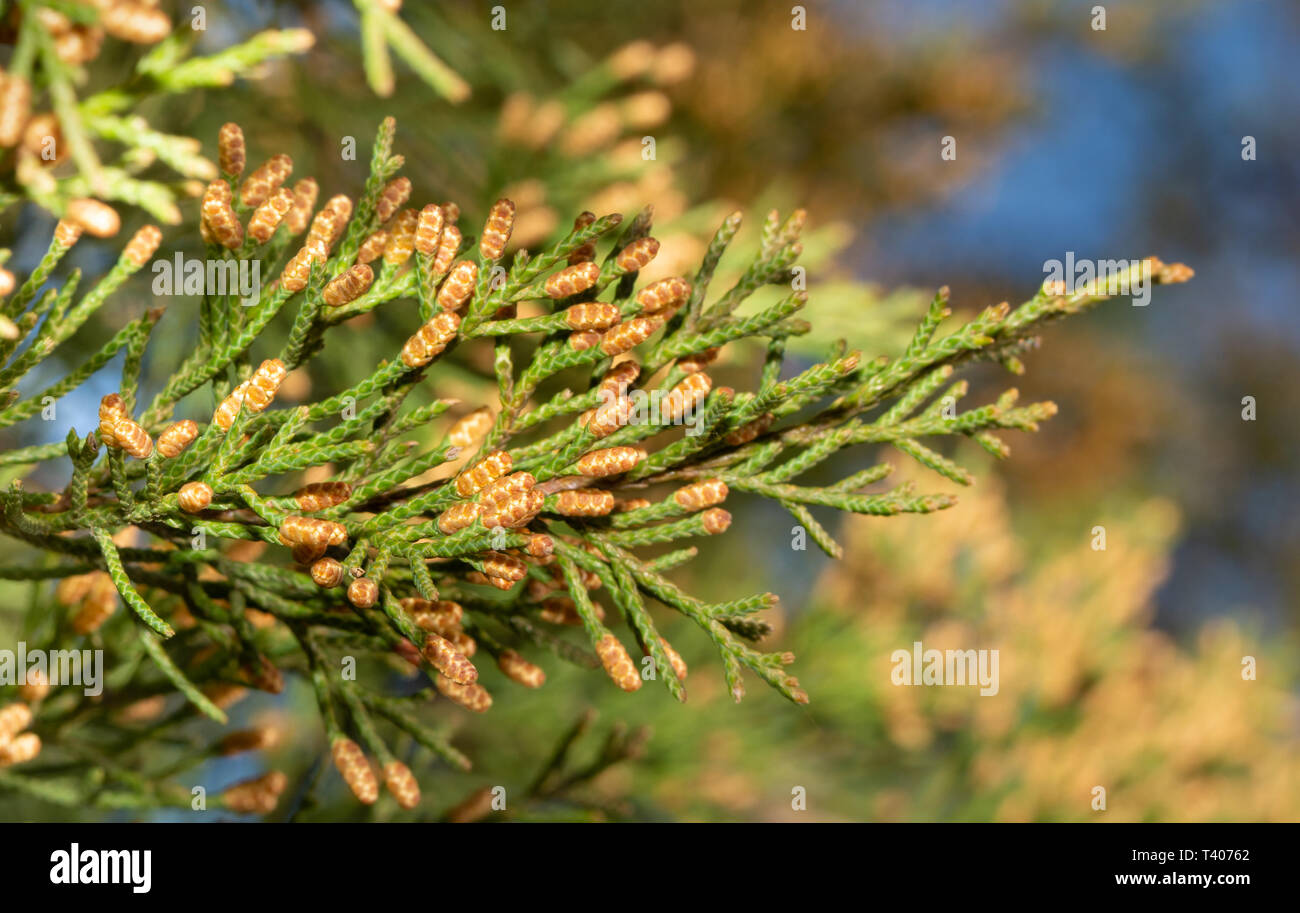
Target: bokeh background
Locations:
point(1119, 668)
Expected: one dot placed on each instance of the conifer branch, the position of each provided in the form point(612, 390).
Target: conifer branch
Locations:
point(608, 437)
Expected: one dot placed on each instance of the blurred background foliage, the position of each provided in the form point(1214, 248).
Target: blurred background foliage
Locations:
point(1119, 668)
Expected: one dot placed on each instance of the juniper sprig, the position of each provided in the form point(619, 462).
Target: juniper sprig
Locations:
point(438, 550)
point(54, 44)
point(382, 30)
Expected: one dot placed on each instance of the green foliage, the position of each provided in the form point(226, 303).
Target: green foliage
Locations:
point(97, 146)
point(246, 616)
point(382, 31)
